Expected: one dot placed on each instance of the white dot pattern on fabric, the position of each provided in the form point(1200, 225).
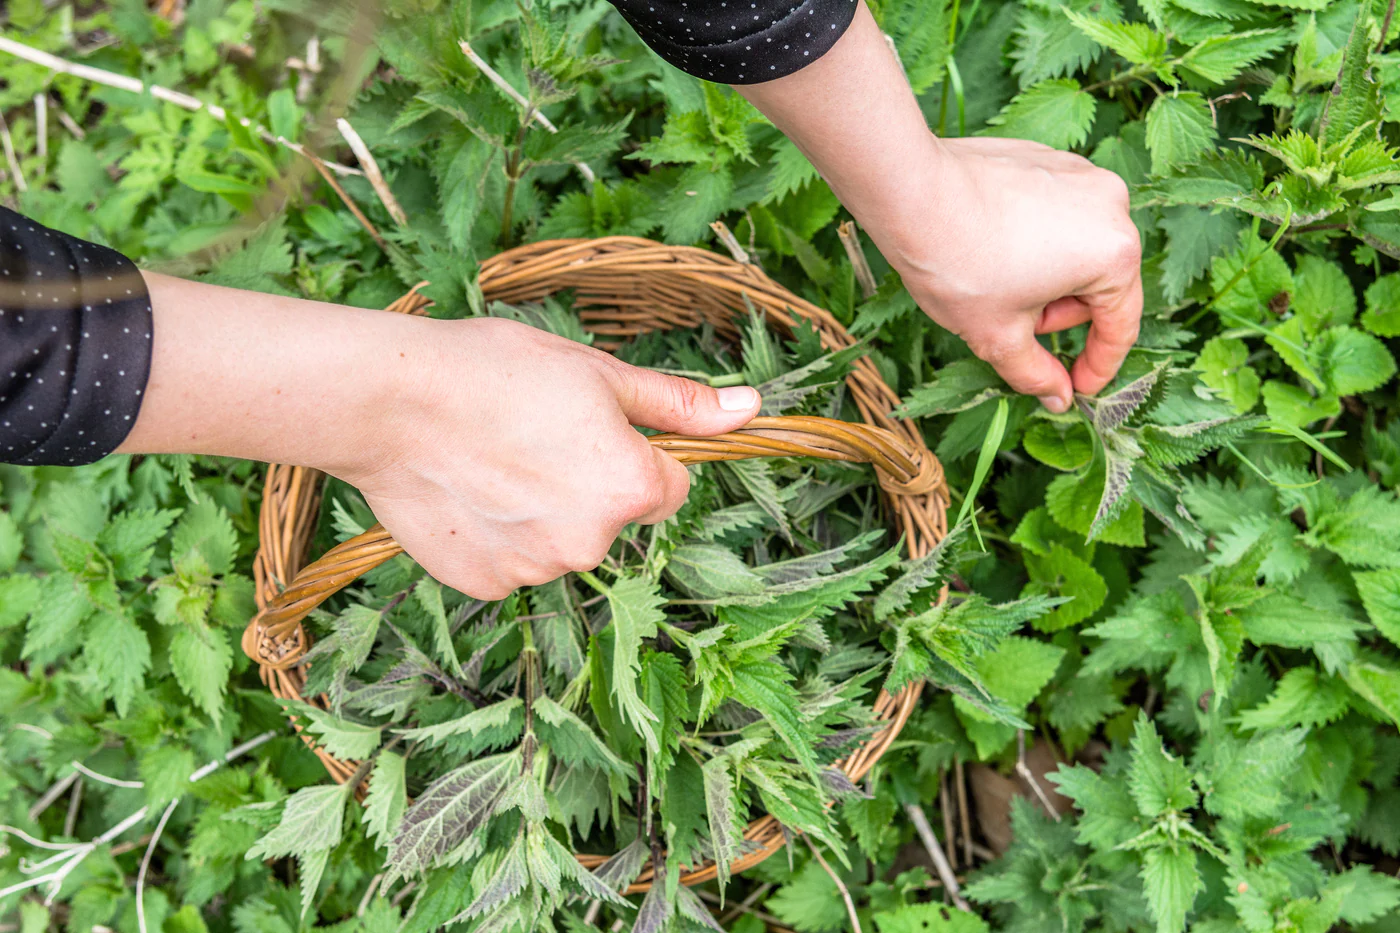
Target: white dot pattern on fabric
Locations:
point(76, 364)
point(722, 48)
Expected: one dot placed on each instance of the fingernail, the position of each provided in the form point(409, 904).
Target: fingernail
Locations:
point(1056, 404)
point(737, 398)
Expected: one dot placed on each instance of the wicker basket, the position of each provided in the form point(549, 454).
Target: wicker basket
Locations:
point(624, 286)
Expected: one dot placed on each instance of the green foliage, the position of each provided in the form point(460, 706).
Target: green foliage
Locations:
point(1187, 585)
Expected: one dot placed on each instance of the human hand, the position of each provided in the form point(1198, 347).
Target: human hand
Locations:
point(498, 455)
point(511, 459)
point(997, 239)
point(1007, 239)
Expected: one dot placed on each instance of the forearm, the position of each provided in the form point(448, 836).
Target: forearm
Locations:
point(853, 114)
point(264, 377)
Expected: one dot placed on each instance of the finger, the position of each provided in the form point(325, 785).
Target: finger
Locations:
point(1027, 366)
point(1062, 314)
point(1111, 335)
point(670, 403)
point(675, 482)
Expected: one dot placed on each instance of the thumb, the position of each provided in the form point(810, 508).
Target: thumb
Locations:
point(670, 403)
point(1029, 368)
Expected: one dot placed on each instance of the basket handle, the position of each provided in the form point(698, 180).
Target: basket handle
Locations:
point(275, 637)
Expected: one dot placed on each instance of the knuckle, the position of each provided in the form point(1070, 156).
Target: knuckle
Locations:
point(684, 398)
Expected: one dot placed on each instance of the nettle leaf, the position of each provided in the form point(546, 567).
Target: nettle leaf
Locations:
point(1171, 882)
point(1223, 365)
point(1055, 112)
point(504, 716)
point(428, 595)
point(1179, 130)
point(635, 603)
point(709, 570)
point(1158, 782)
point(958, 386)
point(1323, 295)
point(385, 802)
point(1364, 894)
point(1063, 574)
point(201, 658)
point(129, 540)
point(1139, 43)
point(1352, 361)
point(1064, 446)
point(1247, 281)
point(1382, 314)
point(1303, 697)
point(341, 737)
point(205, 529)
point(312, 819)
point(1220, 59)
point(918, 574)
point(119, 656)
point(1369, 164)
point(1355, 100)
point(767, 689)
point(1111, 411)
point(449, 812)
point(572, 740)
point(724, 815)
point(1047, 45)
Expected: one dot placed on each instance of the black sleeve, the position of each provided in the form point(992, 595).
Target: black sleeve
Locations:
point(75, 345)
point(739, 41)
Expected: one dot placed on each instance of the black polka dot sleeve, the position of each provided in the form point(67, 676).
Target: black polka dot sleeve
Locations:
point(75, 345)
point(739, 41)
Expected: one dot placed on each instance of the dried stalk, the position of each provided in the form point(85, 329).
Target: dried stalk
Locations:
point(369, 894)
point(747, 902)
point(850, 239)
point(75, 802)
point(41, 123)
point(964, 817)
point(1029, 776)
point(306, 80)
point(70, 124)
point(940, 861)
point(345, 199)
point(11, 158)
point(79, 767)
point(59, 788)
point(146, 864)
point(730, 242)
point(840, 886)
point(69, 855)
point(945, 804)
point(135, 86)
point(495, 78)
point(372, 173)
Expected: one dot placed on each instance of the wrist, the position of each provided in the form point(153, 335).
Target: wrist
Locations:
point(271, 378)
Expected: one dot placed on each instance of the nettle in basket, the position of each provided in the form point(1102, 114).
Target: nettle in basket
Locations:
point(700, 700)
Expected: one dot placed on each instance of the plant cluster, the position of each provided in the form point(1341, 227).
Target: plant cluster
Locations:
point(1185, 591)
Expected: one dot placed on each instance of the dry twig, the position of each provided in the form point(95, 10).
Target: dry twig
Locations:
point(1029, 776)
point(964, 817)
point(850, 239)
point(730, 242)
point(41, 123)
point(146, 865)
point(940, 861)
point(136, 86)
point(59, 788)
point(372, 173)
point(75, 802)
point(11, 158)
point(836, 879)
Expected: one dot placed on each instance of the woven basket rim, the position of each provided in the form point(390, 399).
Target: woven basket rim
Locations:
point(682, 286)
